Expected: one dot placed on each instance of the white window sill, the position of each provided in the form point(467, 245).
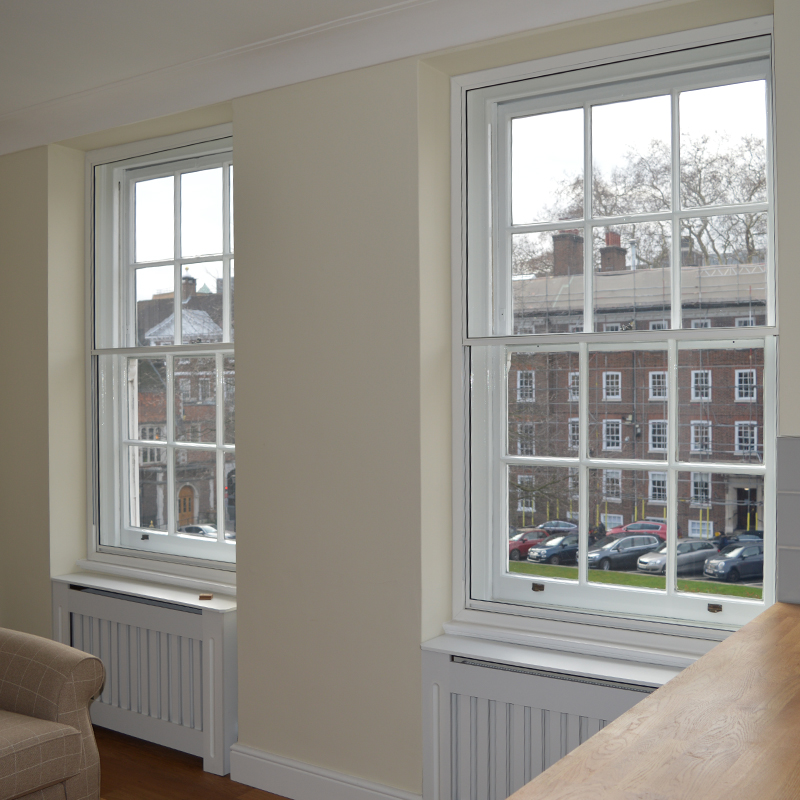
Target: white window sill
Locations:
point(166, 574)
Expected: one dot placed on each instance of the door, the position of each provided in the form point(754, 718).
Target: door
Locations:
point(747, 508)
point(185, 506)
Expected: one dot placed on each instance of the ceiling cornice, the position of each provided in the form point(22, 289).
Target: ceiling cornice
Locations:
point(407, 28)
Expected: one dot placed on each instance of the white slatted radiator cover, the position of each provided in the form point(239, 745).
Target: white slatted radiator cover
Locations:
point(170, 668)
point(490, 728)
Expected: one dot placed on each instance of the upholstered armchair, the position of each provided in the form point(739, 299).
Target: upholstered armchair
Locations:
point(47, 746)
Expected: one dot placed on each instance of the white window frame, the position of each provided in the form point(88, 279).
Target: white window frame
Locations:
point(530, 506)
point(485, 590)
point(608, 396)
point(612, 327)
point(175, 557)
point(652, 477)
point(574, 433)
point(701, 529)
point(608, 425)
point(611, 476)
point(574, 387)
point(651, 426)
point(526, 391)
point(656, 374)
point(659, 325)
point(740, 426)
point(697, 425)
point(752, 397)
point(698, 478)
point(745, 322)
point(701, 323)
point(522, 429)
point(701, 393)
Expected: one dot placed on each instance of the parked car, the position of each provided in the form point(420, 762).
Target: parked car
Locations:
point(736, 561)
point(199, 530)
point(557, 549)
point(553, 526)
point(519, 545)
point(621, 552)
point(657, 528)
point(691, 557)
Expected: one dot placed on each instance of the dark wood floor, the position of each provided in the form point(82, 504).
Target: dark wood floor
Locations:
point(135, 770)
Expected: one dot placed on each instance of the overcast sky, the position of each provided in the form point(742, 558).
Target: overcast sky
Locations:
point(547, 149)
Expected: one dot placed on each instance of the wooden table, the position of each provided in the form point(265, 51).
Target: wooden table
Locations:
point(726, 727)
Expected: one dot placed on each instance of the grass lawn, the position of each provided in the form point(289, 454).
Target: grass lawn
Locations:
point(636, 579)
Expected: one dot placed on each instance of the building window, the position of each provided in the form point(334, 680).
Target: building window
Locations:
point(701, 529)
point(657, 487)
point(602, 249)
point(612, 386)
point(574, 434)
point(164, 352)
point(658, 385)
point(745, 437)
point(526, 388)
point(525, 489)
point(701, 323)
point(701, 488)
point(574, 393)
point(745, 322)
point(745, 386)
point(701, 385)
point(659, 325)
point(612, 434)
point(701, 436)
point(525, 442)
point(658, 435)
point(612, 484)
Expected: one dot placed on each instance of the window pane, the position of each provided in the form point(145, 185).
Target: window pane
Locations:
point(723, 150)
point(727, 511)
point(148, 490)
point(147, 396)
point(201, 212)
point(155, 308)
point(632, 276)
point(232, 316)
point(631, 157)
point(230, 496)
point(201, 314)
point(627, 521)
point(195, 399)
point(628, 404)
point(154, 226)
point(196, 495)
point(542, 419)
point(543, 502)
point(721, 405)
point(547, 280)
point(724, 269)
point(229, 379)
point(547, 167)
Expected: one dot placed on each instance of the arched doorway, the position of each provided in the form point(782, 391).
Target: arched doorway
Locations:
point(185, 506)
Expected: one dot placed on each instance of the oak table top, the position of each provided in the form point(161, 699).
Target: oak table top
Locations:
point(727, 727)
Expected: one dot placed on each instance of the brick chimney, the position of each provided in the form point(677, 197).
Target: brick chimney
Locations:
point(567, 253)
point(612, 256)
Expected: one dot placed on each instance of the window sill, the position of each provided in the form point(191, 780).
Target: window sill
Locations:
point(657, 644)
point(169, 574)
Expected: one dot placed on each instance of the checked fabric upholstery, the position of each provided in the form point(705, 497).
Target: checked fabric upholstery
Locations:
point(47, 746)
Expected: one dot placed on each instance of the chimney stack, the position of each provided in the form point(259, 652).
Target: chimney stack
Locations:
point(567, 253)
point(188, 287)
point(612, 256)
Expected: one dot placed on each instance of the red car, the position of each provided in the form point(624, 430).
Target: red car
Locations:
point(657, 528)
point(519, 545)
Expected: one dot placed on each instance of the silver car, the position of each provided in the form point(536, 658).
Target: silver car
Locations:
point(691, 558)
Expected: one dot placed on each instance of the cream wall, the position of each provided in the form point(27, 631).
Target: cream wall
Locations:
point(24, 478)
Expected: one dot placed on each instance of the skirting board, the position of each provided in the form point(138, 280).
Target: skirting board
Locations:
point(299, 781)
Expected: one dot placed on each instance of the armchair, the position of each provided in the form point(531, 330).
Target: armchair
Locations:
point(47, 746)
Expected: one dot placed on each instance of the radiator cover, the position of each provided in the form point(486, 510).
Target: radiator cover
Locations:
point(170, 666)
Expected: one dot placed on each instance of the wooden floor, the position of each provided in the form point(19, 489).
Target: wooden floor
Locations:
point(135, 770)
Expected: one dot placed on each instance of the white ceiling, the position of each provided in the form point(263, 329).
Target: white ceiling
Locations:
point(69, 67)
